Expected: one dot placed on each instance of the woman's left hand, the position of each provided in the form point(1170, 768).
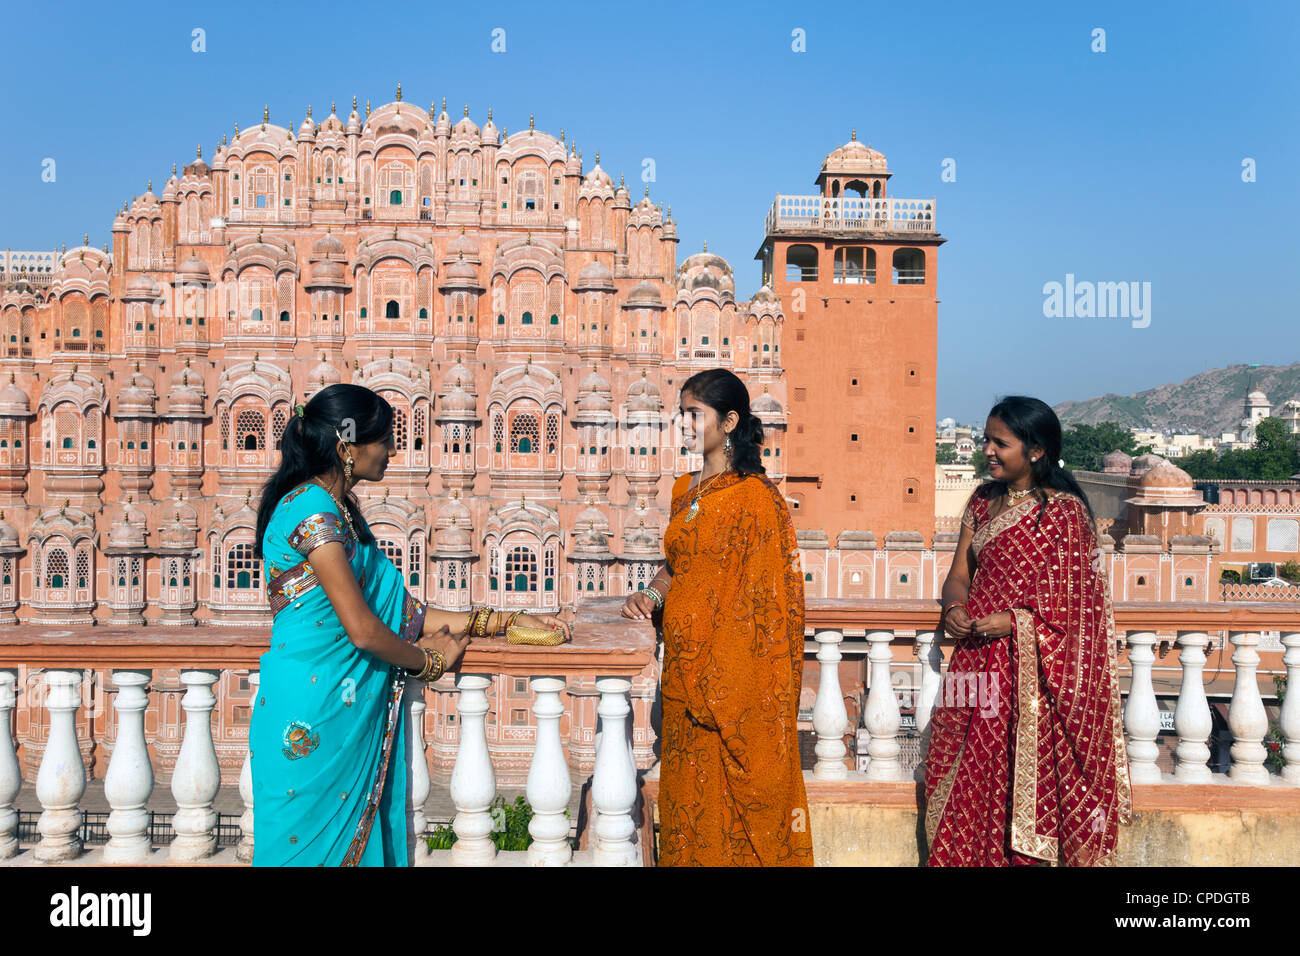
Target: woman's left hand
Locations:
point(562, 621)
point(992, 625)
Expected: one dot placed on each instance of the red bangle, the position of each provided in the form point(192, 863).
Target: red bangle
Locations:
point(953, 605)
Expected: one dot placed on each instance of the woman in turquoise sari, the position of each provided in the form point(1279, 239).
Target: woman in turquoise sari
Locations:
point(327, 739)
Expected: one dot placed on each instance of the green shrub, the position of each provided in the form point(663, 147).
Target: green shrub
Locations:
point(509, 827)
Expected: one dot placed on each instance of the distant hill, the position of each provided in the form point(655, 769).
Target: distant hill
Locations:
point(1209, 403)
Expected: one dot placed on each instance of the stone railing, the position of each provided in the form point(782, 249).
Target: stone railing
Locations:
point(606, 650)
point(1260, 592)
point(848, 214)
point(897, 631)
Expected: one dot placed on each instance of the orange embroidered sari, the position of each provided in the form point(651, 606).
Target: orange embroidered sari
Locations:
point(731, 787)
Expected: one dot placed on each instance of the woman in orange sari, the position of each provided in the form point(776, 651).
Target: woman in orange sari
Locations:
point(731, 790)
point(1027, 763)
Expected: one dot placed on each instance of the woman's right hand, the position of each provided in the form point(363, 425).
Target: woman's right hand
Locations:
point(451, 648)
point(957, 623)
point(639, 606)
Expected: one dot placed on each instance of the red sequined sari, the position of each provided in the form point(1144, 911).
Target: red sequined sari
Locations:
point(1027, 761)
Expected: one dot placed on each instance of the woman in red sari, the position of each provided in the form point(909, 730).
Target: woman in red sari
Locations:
point(1027, 763)
point(731, 789)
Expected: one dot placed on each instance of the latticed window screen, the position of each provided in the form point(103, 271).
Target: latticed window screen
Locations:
point(284, 296)
point(498, 432)
point(526, 299)
point(135, 572)
point(399, 428)
point(225, 427)
point(7, 570)
point(521, 569)
point(259, 184)
point(523, 434)
point(74, 314)
point(460, 307)
point(249, 422)
point(243, 570)
point(493, 557)
point(1282, 534)
point(552, 433)
point(277, 425)
point(173, 569)
point(92, 428)
point(1243, 534)
point(549, 569)
point(638, 576)
point(418, 427)
point(83, 569)
point(65, 428)
point(121, 572)
point(56, 568)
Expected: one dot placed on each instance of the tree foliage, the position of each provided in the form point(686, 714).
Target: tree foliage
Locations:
point(1084, 446)
point(1275, 456)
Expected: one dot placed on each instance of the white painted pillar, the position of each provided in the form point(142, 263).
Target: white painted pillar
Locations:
point(549, 786)
point(1246, 715)
point(11, 775)
point(930, 652)
point(473, 783)
point(129, 781)
point(1192, 715)
point(882, 717)
point(417, 783)
point(613, 783)
point(244, 851)
point(830, 718)
point(1289, 719)
point(61, 780)
point(196, 777)
point(1141, 715)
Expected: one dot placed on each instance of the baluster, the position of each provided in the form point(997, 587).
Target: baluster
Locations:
point(244, 851)
point(830, 719)
point(1141, 716)
point(930, 652)
point(196, 777)
point(1192, 714)
point(11, 776)
point(129, 781)
point(61, 780)
point(882, 717)
point(549, 786)
point(473, 783)
point(418, 784)
point(613, 782)
point(1289, 720)
point(1246, 715)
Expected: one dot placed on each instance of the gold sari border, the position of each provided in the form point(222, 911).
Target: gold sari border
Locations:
point(1025, 837)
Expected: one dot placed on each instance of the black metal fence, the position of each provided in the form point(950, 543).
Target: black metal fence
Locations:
point(94, 828)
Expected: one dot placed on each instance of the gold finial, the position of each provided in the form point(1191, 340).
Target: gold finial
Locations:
point(854, 137)
point(248, 493)
point(137, 365)
point(354, 102)
point(332, 109)
point(647, 190)
point(431, 114)
point(706, 245)
point(223, 139)
point(149, 186)
point(444, 104)
point(643, 373)
point(198, 151)
point(236, 131)
point(399, 99)
point(489, 114)
point(467, 110)
point(505, 132)
point(309, 111)
point(528, 238)
point(367, 109)
point(85, 238)
point(530, 122)
point(266, 115)
point(561, 134)
point(670, 212)
point(597, 157)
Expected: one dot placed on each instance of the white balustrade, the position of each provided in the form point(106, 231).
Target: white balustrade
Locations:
point(196, 777)
point(830, 719)
point(1192, 719)
point(1246, 715)
point(1288, 721)
point(418, 784)
point(244, 851)
point(129, 781)
point(1141, 715)
point(11, 776)
point(882, 717)
point(61, 779)
point(473, 782)
point(930, 653)
point(549, 787)
point(613, 783)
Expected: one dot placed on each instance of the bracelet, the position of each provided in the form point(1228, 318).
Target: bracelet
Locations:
point(655, 596)
point(434, 665)
point(510, 621)
point(956, 604)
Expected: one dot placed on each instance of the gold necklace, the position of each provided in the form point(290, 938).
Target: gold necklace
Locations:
point(347, 516)
point(694, 509)
point(1014, 497)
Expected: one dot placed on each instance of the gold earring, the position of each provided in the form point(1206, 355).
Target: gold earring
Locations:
point(347, 470)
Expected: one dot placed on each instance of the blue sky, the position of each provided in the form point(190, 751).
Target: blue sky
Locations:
point(1117, 166)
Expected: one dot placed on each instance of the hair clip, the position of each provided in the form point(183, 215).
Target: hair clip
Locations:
point(300, 411)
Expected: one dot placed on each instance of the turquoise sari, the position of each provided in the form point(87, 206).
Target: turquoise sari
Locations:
point(327, 742)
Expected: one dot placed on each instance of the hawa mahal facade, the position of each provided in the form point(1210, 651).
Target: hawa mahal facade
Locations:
point(529, 321)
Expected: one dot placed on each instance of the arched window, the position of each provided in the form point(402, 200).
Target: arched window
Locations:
point(424, 313)
point(391, 310)
point(284, 316)
point(256, 315)
point(243, 570)
point(395, 197)
point(526, 318)
point(521, 570)
point(56, 568)
point(250, 430)
point(523, 434)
